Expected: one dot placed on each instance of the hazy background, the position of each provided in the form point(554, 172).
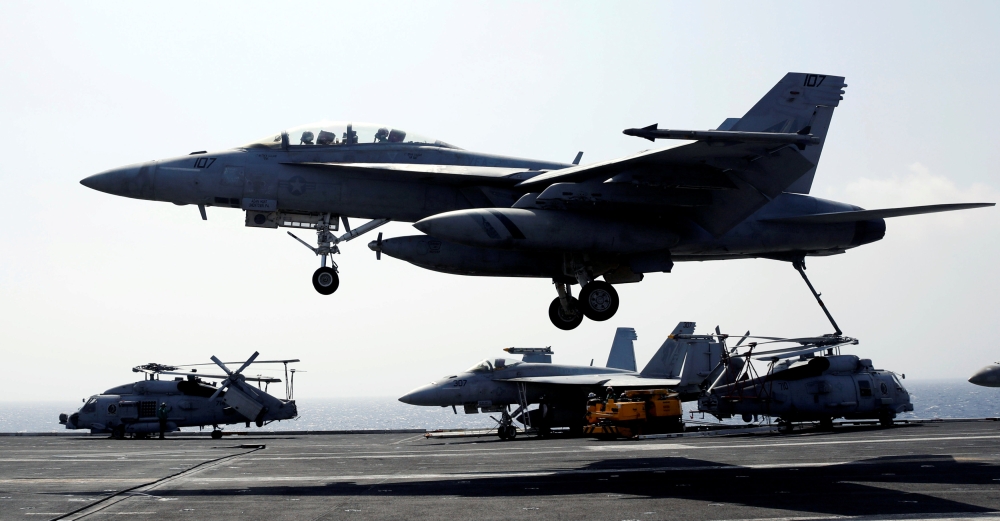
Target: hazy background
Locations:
point(92, 284)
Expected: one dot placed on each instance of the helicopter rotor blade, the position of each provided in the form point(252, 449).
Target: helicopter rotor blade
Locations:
point(240, 362)
point(222, 365)
point(247, 363)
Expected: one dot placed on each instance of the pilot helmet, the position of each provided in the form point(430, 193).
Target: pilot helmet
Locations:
point(307, 138)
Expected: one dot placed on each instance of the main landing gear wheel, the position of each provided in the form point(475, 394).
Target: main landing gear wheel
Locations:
point(216, 435)
point(599, 301)
point(326, 280)
point(559, 317)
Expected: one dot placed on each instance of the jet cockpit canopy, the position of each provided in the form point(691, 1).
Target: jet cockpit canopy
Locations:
point(335, 133)
point(490, 365)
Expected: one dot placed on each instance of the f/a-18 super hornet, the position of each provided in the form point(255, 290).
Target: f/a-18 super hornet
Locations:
point(739, 191)
point(684, 363)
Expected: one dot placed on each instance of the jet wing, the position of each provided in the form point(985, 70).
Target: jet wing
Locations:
point(446, 174)
point(738, 178)
point(864, 215)
point(598, 380)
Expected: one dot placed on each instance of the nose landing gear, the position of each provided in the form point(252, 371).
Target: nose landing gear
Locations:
point(326, 279)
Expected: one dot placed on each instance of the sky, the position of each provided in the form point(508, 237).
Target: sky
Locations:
point(91, 284)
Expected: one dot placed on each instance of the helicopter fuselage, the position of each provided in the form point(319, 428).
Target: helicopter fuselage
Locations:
point(132, 408)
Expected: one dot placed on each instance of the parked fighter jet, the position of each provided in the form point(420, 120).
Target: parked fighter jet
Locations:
point(188, 401)
point(988, 376)
point(561, 390)
point(736, 192)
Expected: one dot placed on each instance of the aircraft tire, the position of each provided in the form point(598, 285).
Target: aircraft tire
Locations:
point(511, 432)
point(216, 435)
point(885, 421)
point(326, 280)
point(559, 318)
point(599, 301)
point(118, 432)
point(502, 433)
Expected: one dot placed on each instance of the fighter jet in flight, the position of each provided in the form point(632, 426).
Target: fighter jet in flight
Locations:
point(739, 191)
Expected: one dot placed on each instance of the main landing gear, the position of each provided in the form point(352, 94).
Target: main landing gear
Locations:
point(326, 279)
point(598, 301)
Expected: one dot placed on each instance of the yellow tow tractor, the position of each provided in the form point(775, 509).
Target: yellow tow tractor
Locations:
point(651, 411)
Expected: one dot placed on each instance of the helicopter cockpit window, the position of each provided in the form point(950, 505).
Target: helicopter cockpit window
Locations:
point(334, 133)
point(90, 406)
point(482, 367)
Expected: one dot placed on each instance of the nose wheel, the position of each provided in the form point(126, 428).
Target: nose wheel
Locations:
point(325, 279)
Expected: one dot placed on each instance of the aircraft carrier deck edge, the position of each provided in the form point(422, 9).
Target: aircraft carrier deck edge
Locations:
point(924, 470)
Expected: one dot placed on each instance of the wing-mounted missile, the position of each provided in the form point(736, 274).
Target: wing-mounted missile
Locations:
point(800, 139)
point(535, 355)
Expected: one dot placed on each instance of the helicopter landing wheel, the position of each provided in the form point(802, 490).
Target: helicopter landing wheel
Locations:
point(885, 421)
point(326, 280)
point(216, 434)
point(118, 432)
point(785, 427)
point(511, 432)
point(599, 301)
point(562, 320)
point(826, 424)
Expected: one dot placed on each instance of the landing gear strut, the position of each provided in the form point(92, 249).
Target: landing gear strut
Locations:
point(325, 279)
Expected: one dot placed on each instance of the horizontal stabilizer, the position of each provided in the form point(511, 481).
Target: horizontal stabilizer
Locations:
point(865, 215)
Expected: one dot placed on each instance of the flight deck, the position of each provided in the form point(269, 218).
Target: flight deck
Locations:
point(924, 470)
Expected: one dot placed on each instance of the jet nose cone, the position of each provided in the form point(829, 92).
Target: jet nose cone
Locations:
point(426, 395)
point(134, 181)
point(988, 376)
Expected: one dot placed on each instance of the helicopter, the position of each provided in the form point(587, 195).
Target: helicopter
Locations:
point(800, 386)
point(191, 399)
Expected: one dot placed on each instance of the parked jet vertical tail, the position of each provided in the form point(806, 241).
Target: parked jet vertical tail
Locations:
point(622, 354)
point(800, 102)
point(668, 361)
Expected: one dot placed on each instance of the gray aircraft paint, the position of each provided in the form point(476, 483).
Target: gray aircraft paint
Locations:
point(988, 376)
point(721, 197)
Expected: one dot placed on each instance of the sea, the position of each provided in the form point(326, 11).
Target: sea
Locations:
point(931, 399)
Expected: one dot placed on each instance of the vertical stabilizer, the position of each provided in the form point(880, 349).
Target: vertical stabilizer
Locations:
point(800, 102)
point(667, 361)
point(622, 354)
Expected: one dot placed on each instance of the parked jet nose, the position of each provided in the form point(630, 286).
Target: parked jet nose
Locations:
point(426, 395)
point(135, 181)
point(988, 376)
